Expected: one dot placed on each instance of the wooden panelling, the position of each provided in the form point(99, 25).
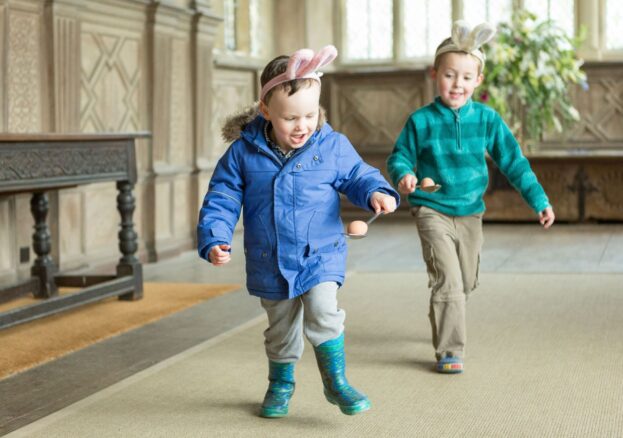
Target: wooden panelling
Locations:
point(581, 169)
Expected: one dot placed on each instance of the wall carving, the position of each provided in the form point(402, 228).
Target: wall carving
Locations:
point(109, 66)
point(232, 91)
point(372, 109)
point(601, 111)
point(110, 82)
point(203, 110)
point(24, 72)
point(161, 96)
point(503, 202)
point(100, 221)
point(66, 74)
point(181, 116)
point(6, 253)
point(71, 242)
point(183, 223)
point(605, 199)
point(3, 72)
point(62, 161)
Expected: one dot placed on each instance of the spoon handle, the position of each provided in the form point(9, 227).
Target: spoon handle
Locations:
point(373, 218)
point(429, 189)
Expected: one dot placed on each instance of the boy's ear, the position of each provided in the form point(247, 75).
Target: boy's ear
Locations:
point(433, 73)
point(480, 78)
point(264, 110)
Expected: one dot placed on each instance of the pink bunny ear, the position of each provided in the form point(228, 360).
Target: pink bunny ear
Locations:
point(302, 64)
point(298, 61)
point(324, 56)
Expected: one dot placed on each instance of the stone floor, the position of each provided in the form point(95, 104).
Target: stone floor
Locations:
point(389, 247)
point(392, 246)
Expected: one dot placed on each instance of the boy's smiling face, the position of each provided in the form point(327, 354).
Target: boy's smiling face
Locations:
point(457, 77)
point(294, 118)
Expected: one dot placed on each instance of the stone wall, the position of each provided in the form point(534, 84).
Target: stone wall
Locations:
point(134, 65)
point(110, 66)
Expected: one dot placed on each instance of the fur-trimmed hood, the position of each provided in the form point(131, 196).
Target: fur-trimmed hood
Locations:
point(236, 123)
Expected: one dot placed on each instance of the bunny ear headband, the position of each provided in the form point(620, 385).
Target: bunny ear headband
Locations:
point(302, 65)
point(465, 39)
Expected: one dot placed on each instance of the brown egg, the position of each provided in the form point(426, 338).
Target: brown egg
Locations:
point(358, 228)
point(427, 182)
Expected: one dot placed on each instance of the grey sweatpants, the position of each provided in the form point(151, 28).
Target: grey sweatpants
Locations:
point(451, 248)
point(315, 314)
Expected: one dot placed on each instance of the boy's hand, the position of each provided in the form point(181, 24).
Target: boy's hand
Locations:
point(219, 255)
point(547, 217)
point(382, 202)
point(407, 184)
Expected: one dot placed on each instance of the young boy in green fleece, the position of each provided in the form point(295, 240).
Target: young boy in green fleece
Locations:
point(446, 141)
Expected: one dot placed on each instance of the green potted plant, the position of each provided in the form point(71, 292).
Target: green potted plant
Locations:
point(530, 69)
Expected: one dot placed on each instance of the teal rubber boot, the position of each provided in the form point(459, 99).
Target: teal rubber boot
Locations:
point(337, 390)
point(280, 390)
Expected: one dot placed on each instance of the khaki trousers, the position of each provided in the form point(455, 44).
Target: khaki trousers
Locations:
point(451, 248)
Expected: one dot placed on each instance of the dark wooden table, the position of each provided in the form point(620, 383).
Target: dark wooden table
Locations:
point(37, 163)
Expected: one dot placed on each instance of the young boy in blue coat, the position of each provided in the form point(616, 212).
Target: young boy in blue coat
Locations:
point(447, 141)
point(286, 167)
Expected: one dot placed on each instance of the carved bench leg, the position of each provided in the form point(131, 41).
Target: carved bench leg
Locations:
point(43, 268)
point(128, 263)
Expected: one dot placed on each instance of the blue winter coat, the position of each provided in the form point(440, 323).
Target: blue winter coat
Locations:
point(293, 234)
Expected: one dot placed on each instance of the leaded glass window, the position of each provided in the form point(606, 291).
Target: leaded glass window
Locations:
point(369, 29)
point(255, 27)
point(229, 24)
point(426, 23)
point(560, 11)
point(491, 11)
point(614, 19)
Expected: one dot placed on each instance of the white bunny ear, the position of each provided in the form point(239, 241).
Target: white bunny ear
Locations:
point(482, 34)
point(460, 33)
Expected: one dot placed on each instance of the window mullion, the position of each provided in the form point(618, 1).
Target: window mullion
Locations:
point(369, 32)
point(590, 16)
point(340, 28)
point(457, 10)
point(398, 20)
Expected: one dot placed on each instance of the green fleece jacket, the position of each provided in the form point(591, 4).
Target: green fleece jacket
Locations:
point(449, 146)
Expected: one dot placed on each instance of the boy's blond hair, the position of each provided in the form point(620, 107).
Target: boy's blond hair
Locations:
point(466, 40)
point(447, 42)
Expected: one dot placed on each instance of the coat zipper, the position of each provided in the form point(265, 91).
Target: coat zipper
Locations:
point(271, 156)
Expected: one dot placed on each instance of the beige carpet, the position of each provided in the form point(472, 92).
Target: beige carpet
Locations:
point(544, 360)
point(40, 341)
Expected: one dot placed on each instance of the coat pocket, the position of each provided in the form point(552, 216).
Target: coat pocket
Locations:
point(322, 247)
point(331, 256)
point(262, 268)
point(325, 250)
point(259, 253)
